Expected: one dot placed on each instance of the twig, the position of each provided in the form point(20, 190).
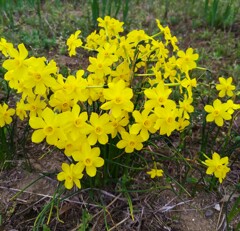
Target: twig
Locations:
point(116, 198)
point(30, 206)
point(119, 223)
point(166, 208)
point(218, 226)
point(140, 219)
point(48, 196)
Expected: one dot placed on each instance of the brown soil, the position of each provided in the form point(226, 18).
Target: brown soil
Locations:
point(158, 209)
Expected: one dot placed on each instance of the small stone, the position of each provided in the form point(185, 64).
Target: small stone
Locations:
point(209, 213)
point(217, 207)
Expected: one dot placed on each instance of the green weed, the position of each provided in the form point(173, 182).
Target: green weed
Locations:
point(101, 8)
point(221, 13)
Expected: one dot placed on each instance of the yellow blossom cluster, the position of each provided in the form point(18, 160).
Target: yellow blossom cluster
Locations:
point(220, 111)
point(217, 166)
point(127, 92)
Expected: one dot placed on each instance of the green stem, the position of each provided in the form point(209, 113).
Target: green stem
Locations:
point(95, 12)
point(214, 139)
point(201, 68)
point(87, 48)
point(172, 84)
point(204, 135)
point(100, 86)
point(226, 140)
point(155, 35)
point(106, 166)
point(144, 74)
point(3, 143)
point(125, 10)
point(127, 163)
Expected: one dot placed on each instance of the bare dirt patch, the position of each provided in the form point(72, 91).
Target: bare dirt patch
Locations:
point(158, 209)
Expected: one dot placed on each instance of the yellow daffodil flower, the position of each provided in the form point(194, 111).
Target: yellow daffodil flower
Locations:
point(89, 159)
point(21, 110)
point(77, 125)
point(157, 96)
point(47, 126)
point(232, 106)
point(73, 42)
point(39, 77)
point(6, 114)
point(225, 87)
point(18, 59)
point(155, 173)
point(217, 166)
point(144, 123)
point(185, 107)
point(218, 112)
point(166, 121)
point(118, 124)
point(35, 106)
point(118, 98)
point(130, 142)
point(100, 128)
point(99, 66)
point(187, 61)
point(5, 47)
point(71, 175)
point(112, 26)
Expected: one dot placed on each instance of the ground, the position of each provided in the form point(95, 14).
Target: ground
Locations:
point(166, 208)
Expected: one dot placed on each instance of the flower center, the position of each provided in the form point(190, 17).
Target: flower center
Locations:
point(132, 143)
point(68, 146)
point(118, 100)
point(147, 123)
point(65, 106)
point(216, 113)
point(228, 88)
point(88, 162)
point(33, 108)
point(78, 122)
point(69, 178)
point(169, 120)
point(49, 130)
point(219, 167)
point(6, 115)
point(98, 130)
point(37, 77)
point(161, 100)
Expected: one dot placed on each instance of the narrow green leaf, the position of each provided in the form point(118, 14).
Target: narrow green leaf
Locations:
point(234, 211)
point(95, 12)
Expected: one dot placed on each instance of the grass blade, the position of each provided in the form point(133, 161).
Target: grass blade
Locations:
point(95, 12)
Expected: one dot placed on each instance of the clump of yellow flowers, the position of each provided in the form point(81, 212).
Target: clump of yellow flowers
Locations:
point(217, 166)
point(221, 111)
point(124, 96)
